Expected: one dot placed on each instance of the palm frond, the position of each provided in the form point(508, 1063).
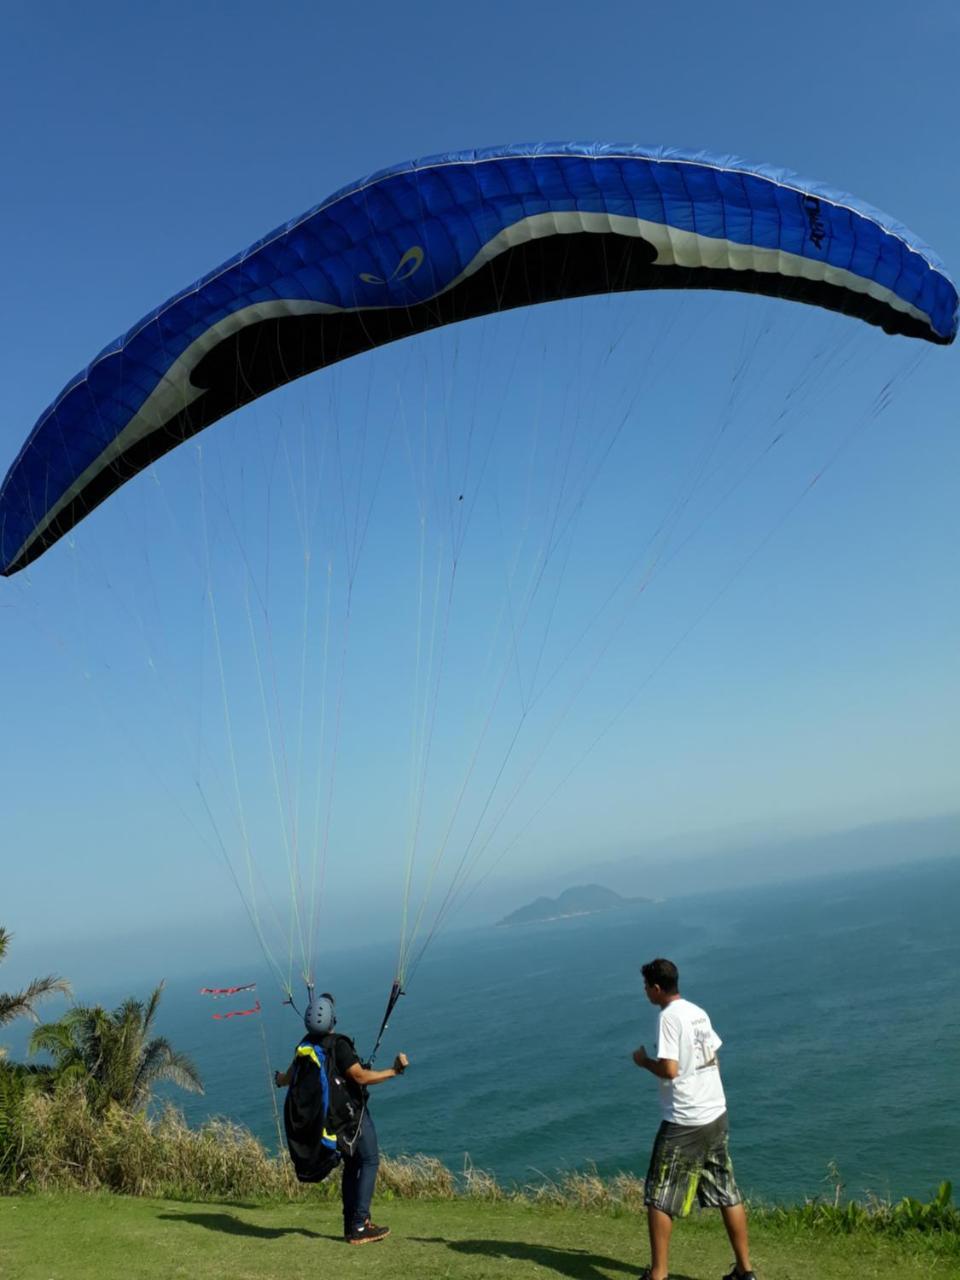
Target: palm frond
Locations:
point(152, 1006)
point(21, 1004)
point(161, 1062)
point(55, 1038)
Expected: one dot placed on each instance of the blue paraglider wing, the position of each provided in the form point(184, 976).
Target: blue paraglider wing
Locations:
point(441, 240)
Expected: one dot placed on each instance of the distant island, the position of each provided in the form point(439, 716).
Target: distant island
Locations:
point(584, 900)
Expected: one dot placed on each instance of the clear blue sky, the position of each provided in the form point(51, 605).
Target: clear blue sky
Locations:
point(794, 666)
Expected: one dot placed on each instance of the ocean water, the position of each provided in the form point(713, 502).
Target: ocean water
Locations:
point(838, 1001)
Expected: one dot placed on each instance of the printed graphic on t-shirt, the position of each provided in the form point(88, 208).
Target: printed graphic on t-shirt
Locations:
point(703, 1048)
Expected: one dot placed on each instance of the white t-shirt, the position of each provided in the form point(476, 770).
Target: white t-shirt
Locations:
point(685, 1034)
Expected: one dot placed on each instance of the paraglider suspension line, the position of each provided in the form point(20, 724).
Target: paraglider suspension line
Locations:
point(396, 991)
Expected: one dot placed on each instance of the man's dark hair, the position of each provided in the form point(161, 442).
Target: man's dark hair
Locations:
point(663, 974)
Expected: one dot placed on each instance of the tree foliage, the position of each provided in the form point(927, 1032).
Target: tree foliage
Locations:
point(22, 1004)
point(113, 1054)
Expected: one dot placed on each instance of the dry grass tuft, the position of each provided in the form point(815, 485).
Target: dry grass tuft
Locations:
point(587, 1191)
point(415, 1178)
point(65, 1147)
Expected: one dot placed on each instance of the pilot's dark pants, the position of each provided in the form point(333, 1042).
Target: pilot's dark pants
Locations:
point(360, 1176)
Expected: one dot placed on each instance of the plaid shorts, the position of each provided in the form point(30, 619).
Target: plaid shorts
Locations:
point(691, 1162)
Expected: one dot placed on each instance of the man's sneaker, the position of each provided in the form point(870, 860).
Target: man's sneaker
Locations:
point(734, 1274)
point(367, 1234)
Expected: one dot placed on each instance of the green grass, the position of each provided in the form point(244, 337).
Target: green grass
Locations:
point(77, 1236)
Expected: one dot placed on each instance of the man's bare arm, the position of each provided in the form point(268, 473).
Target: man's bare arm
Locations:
point(360, 1075)
point(363, 1076)
point(282, 1078)
point(664, 1068)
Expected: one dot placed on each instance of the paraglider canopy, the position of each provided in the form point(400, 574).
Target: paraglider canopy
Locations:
point(441, 240)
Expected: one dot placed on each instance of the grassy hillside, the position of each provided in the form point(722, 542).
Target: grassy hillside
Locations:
point(77, 1236)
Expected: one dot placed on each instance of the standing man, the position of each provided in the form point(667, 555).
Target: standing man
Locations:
point(309, 1109)
point(690, 1159)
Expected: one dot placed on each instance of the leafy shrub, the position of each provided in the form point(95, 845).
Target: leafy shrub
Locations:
point(12, 1091)
point(937, 1216)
